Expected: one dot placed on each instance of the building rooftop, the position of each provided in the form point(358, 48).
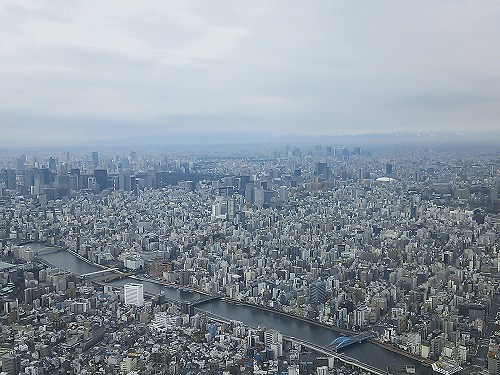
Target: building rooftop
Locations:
point(5, 266)
point(400, 370)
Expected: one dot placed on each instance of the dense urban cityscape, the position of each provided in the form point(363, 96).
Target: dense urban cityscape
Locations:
point(287, 260)
point(283, 187)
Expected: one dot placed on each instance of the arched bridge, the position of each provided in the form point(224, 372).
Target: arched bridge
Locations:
point(343, 341)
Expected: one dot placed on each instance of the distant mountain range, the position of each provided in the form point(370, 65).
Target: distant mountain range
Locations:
point(256, 139)
point(417, 138)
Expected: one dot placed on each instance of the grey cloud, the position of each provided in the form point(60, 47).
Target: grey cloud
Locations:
point(321, 67)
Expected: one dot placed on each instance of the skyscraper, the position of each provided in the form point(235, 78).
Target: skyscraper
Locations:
point(20, 164)
point(95, 159)
point(101, 178)
point(10, 179)
point(134, 294)
point(388, 169)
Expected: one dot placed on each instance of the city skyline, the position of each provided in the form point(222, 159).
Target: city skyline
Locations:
point(91, 73)
point(123, 260)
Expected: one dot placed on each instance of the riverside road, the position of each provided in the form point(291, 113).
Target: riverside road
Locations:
point(319, 335)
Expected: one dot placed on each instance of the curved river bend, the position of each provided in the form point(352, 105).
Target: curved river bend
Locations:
point(366, 352)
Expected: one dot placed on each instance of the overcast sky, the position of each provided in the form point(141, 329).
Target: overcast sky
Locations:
point(85, 71)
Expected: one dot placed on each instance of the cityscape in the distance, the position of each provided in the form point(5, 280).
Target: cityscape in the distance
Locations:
point(284, 260)
point(279, 187)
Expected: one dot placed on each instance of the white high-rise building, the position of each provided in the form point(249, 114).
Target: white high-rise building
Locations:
point(134, 294)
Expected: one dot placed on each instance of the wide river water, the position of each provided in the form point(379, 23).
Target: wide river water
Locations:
point(366, 352)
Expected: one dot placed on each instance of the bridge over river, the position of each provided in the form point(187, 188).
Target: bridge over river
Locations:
point(318, 335)
point(199, 299)
point(349, 361)
point(343, 341)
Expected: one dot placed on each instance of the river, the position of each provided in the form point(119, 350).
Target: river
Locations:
point(366, 352)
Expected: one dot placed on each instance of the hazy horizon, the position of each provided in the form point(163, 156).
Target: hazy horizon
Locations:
point(89, 73)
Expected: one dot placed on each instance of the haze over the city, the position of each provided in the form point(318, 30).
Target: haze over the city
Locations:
point(76, 73)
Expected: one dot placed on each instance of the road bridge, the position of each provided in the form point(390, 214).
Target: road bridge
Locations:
point(108, 274)
point(47, 250)
point(112, 276)
point(91, 275)
point(199, 299)
point(349, 361)
point(343, 341)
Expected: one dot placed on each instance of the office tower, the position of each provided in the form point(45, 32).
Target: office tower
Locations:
point(283, 194)
point(10, 179)
point(95, 159)
point(231, 208)
point(127, 182)
point(242, 183)
point(134, 294)
point(52, 163)
point(133, 184)
point(259, 197)
point(321, 291)
point(388, 169)
point(37, 180)
point(249, 194)
point(185, 277)
point(313, 294)
point(74, 179)
point(317, 292)
point(319, 168)
point(20, 164)
point(187, 307)
point(101, 178)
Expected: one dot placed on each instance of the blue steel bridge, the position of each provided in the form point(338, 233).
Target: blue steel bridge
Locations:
point(343, 341)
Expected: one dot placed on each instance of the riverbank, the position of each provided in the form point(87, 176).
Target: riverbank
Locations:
point(290, 315)
point(379, 343)
point(403, 352)
point(254, 315)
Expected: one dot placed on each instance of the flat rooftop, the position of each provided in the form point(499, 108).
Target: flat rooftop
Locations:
point(5, 266)
point(400, 370)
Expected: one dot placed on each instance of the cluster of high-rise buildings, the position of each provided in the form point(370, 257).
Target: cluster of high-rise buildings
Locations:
point(402, 242)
